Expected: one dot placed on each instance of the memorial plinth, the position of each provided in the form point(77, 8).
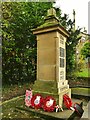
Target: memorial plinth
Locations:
point(51, 58)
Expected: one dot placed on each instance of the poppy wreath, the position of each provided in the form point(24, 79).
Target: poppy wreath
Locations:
point(67, 101)
point(49, 104)
point(28, 98)
point(37, 101)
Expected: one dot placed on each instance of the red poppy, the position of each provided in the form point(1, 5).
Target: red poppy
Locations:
point(67, 101)
point(49, 104)
point(37, 101)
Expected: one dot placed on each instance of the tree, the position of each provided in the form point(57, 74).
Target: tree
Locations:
point(85, 51)
point(18, 42)
point(71, 50)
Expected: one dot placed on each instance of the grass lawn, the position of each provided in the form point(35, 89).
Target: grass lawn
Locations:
point(83, 73)
point(11, 101)
point(9, 110)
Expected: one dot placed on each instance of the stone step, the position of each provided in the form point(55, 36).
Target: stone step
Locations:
point(52, 115)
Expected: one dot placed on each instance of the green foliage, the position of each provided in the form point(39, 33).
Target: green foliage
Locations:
point(84, 73)
point(19, 44)
point(71, 49)
point(72, 40)
point(85, 51)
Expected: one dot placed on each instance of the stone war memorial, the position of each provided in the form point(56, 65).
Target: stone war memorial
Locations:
point(51, 58)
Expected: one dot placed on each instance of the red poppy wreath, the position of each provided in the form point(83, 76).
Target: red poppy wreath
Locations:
point(37, 101)
point(67, 101)
point(49, 104)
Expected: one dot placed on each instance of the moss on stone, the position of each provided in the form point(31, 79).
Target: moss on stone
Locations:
point(45, 86)
point(47, 24)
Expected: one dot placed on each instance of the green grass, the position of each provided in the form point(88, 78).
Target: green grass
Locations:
point(9, 110)
point(11, 101)
point(82, 73)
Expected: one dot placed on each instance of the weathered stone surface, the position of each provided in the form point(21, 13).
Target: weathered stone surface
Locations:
point(51, 12)
point(51, 59)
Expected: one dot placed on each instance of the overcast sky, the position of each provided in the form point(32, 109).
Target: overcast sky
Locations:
point(81, 8)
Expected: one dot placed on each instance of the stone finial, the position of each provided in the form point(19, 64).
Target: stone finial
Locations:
point(51, 12)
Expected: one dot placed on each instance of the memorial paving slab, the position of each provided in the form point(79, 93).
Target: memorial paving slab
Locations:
point(58, 115)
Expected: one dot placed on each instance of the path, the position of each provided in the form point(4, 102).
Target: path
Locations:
point(86, 113)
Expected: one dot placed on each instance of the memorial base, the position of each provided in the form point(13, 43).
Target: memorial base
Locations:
point(46, 88)
point(68, 92)
point(50, 88)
